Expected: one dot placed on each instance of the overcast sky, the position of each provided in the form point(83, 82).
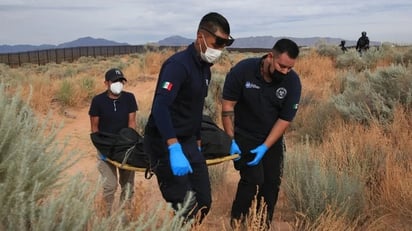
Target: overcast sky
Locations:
point(138, 22)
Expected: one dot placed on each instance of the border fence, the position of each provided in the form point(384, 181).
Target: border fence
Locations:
point(59, 55)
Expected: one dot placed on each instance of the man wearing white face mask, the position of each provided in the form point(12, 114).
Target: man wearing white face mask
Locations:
point(110, 111)
point(172, 133)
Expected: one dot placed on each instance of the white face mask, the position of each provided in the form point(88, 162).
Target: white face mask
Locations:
point(210, 55)
point(116, 88)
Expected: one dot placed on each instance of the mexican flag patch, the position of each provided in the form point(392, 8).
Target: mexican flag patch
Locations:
point(295, 106)
point(167, 85)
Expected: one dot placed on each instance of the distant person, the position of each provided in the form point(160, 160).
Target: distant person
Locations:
point(342, 46)
point(260, 99)
point(363, 43)
point(110, 111)
point(172, 133)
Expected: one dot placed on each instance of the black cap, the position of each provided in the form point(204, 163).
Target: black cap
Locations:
point(114, 75)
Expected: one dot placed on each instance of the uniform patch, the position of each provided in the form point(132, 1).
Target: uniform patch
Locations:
point(167, 85)
point(251, 85)
point(281, 92)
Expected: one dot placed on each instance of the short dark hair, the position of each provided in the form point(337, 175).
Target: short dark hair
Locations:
point(214, 20)
point(288, 46)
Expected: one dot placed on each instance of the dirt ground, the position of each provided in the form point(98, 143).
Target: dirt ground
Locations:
point(77, 130)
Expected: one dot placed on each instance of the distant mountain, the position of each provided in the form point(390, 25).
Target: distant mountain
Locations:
point(24, 47)
point(81, 42)
point(89, 41)
point(175, 41)
point(246, 42)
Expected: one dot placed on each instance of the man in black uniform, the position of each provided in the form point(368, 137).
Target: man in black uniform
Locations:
point(260, 99)
point(363, 43)
point(342, 46)
point(172, 134)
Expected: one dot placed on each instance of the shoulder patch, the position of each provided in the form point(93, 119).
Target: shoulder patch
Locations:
point(281, 92)
point(167, 85)
point(295, 106)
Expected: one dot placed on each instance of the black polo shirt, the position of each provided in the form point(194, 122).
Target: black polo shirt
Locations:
point(113, 113)
point(260, 104)
point(180, 95)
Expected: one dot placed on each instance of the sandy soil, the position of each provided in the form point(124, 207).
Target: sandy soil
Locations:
point(77, 129)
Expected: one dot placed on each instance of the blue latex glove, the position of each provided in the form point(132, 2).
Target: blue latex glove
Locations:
point(234, 149)
point(260, 152)
point(178, 161)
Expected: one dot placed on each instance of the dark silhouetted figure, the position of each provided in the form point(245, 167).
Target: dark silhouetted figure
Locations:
point(342, 46)
point(363, 43)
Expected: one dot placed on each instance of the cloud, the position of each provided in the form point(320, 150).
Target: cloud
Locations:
point(138, 22)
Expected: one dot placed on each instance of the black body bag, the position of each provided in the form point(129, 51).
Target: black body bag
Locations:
point(126, 147)
point(215, 142)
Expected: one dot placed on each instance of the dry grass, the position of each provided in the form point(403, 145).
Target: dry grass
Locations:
point(380, 155)
point(318, 75)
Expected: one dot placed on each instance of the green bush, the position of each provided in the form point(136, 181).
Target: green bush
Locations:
point(35, 193)
point(311, 188)
point(314, 126)
point(372, 56)
point(328, 50)
point(374, 95)
point(88, 85)
point(407, 57)
point(26, 152)
point(66, 92)
point(350, 60)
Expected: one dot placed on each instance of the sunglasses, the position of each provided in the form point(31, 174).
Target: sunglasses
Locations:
point(219, 41)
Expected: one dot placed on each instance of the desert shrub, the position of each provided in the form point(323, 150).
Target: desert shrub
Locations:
point(370, 59)
point(70, 71)
point(311, 188)
point(27, 152)
point(374, 95)
point(350, 60)
point(87, 60)
point(141, 121)
point(393, 83)
point(407, 57)
point(65, 93)
point(35, 192)
point(88, 85)
point(328, 50)
point(395, 195)
point(212, 102)
point(327, 220)
point(372, 56)
point(116, 62)
point(312, 118)
point(359, 150)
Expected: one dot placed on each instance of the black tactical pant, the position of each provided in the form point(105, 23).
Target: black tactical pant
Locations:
point(174, 189)
point(262, 180)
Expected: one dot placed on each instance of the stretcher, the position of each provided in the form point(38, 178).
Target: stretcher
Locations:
point(209, 162)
